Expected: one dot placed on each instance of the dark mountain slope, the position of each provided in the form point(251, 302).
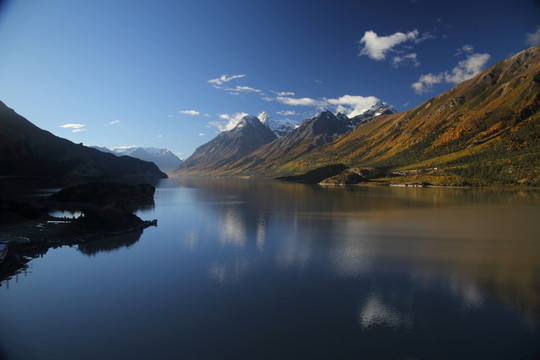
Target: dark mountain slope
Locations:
point(314, 132)
point(229, 146)
point(26, 150)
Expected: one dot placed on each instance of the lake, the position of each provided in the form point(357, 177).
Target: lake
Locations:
point(245, 269)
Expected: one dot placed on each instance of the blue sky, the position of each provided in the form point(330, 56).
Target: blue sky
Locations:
point(173, 74)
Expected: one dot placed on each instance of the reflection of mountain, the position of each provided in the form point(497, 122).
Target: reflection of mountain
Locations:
point(476, 250)
point(109, 243)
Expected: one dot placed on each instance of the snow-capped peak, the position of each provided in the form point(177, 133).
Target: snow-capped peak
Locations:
point(248, 119)
point(279, 127)
point(342, 117)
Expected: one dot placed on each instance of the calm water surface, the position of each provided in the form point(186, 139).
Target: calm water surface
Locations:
point(241, 269)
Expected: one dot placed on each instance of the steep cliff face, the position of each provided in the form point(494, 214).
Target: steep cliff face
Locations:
point(229, 146)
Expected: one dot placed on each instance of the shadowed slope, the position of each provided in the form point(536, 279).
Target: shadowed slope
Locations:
point(26, 150)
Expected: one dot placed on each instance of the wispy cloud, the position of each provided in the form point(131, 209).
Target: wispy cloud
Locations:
point(533, 39)
point(352, 105)
point(229, 121)
point(283, 93)
point(201, 134)
point(426, 82)
point(298, 101)
point(376, 47)
point(240, 88)
point(405, 59)
point(189, 112)
point(114, 122)
point(465, 49)
point(74, 127)
point(466, 69)
point(225, 78)
point(286, 112)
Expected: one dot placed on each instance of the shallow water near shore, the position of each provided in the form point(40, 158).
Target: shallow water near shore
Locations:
point(244, 269)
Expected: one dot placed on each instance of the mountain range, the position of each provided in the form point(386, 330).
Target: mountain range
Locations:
point(485, 130)
point(241, 152)
point(163, 158)
point(28, 151)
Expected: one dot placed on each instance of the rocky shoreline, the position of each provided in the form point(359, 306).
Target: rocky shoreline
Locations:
point(31, 231)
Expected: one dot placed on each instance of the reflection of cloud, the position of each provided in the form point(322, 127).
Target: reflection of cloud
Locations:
point(375, 312)
point(191, 240)
point(217, 272)
point(350, 254)
point(468, 292)
point(261, 233)
point(233, 228)
point(229, 271)
point(293, 251)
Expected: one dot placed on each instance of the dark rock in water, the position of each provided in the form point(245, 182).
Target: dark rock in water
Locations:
point(106, 193)
point(109, 219)
point(317, 175)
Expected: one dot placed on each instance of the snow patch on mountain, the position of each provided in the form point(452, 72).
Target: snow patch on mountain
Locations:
point(163, 158)
point(279, 127)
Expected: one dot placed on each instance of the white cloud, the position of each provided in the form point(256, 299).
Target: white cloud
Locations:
point(283, 93)
point(189, 112)
point(465, 49)
point(224, 78)
point(114, 122)
point(376, 47)
point(240, 88)
point(74, 127)
point(405, 59)
point(466, 69)
point(426, 82)
point(201, 134)
point(232, 121)
point(352, 105)
point(160, 136)
point(298, 101)
point(533, 39)
point(286, 112)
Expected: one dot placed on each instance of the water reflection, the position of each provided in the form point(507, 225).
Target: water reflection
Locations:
point(374, 312)
point(109, 243)
point(249, 269)
point(471, 237)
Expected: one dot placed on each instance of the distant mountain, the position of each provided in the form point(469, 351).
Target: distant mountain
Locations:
point(229, 146)
point(312, 133)
point(293, 142)
point(279, 127)
point(380, 108)
point(26, 150)
point(485, 130)
point(163, 158)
